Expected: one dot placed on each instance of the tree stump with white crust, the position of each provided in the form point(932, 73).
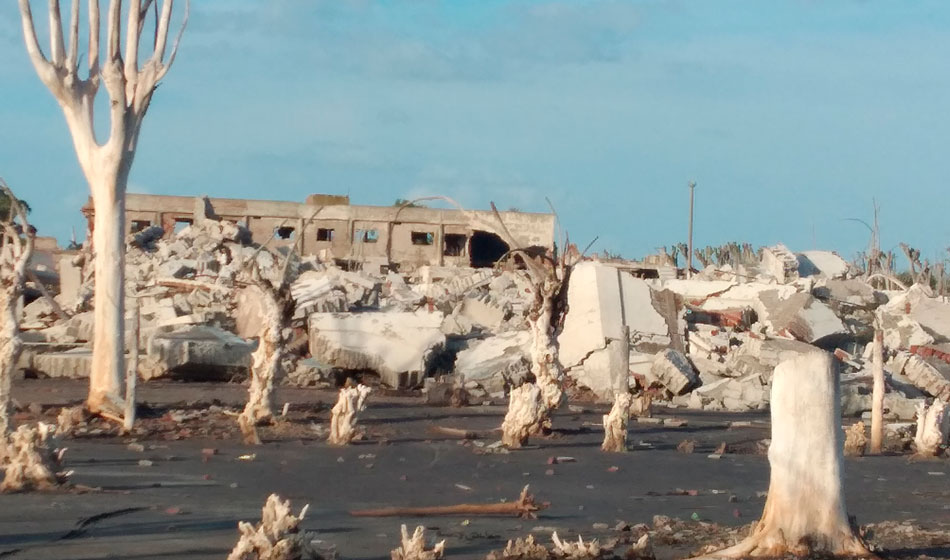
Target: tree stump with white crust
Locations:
point(805, 511)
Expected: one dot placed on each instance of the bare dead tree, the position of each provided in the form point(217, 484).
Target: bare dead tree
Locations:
point(272, 288)
point(913, 259)
point(548, 275)
point(105, 164)
point(16, 248)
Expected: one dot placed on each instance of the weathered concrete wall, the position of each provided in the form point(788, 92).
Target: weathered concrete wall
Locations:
point(358, 232)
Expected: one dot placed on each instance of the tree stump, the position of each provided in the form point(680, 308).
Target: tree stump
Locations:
point(276, 537)
point(933, 425)
point(30, 459)
point(615, 424)
point(343, 415)
point(523, 417)
point(805, 510)
point(855, 441)
point(414, 547)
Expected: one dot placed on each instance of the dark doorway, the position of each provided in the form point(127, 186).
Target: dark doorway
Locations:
point(486, 248)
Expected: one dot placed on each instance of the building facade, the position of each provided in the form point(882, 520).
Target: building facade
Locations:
point(330, 227)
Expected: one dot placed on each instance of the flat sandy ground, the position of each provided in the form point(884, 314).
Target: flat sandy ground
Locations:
point(179, 503)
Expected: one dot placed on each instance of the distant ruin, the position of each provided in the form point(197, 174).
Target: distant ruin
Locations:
point(335, 230)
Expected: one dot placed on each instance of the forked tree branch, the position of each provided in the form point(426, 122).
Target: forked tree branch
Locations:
point(130, 87)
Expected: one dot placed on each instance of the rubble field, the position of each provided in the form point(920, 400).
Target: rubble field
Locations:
point(443, 347)
point(154, 495)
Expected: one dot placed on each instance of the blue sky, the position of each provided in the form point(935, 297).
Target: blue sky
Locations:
point(791, 116)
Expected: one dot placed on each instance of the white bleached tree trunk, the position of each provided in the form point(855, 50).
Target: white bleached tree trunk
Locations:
point(16, 248)
point(271, 285)
point(933, 426)
point(344, 414)
point(105, 164)
point(523, 417)
point(545, 364)
point(615, 424)
point(805, 511)
point(266, 360)
point(877, 396)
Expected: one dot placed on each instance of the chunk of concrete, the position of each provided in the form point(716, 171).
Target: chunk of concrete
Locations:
point(199, 350)
point(601, 301)
point(482, 313)
point(495, 361)
point(923, 375)
point(780, 263)
point(825, 264)
point(917, 305)
point(800, 316)
point(673, 370)
point(397, 345)
point(70, 364)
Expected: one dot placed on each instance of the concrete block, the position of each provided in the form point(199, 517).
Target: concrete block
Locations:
point(205, 348)
point(397, 345)
point(673, 370)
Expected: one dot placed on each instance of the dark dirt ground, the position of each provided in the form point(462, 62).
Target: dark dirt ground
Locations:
point(171, 500)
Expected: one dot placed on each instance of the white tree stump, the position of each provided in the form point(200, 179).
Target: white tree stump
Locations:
point(16, 249)
point(523, 417)
point(414, 547)
point(805, 511)
point(522, 548)
point(615, 424)
point(276, 537)
point(30, 459)
point(575, 550)
point(855, 440)
point(642, 405)
point(344, 414)
point(933, 425)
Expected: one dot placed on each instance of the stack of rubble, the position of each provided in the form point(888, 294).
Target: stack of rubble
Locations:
point(710, 342)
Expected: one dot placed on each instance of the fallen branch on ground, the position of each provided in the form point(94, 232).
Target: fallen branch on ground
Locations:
point(523, 507)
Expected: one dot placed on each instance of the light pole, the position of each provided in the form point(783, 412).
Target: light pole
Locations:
point(689, 259)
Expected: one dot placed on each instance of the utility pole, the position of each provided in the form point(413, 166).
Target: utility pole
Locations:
point(689, 259)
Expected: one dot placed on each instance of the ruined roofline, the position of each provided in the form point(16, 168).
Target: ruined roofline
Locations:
point(285, 209)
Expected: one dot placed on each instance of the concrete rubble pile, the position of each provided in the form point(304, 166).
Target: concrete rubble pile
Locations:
point(198, 320)
point(712, 342)
point(708, 342)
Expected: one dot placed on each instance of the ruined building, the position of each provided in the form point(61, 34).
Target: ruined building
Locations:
point(332, 228)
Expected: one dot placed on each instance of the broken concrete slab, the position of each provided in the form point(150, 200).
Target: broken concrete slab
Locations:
point(496, 361)
point(482, 313)
point(602, 301)
point(825, 264)
point(922, 374)
point(780, 263)
point(917, 305)
point(397, 345)
point(75, 363)
point(799, 316)
point(197, 351)
point(672, 370)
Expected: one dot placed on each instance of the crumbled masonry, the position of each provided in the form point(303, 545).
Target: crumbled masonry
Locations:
point(707, 343)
